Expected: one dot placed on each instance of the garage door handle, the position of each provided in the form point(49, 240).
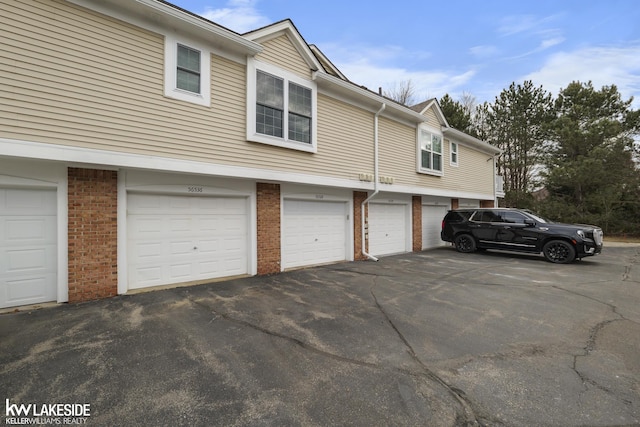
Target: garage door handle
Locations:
point(195, 247)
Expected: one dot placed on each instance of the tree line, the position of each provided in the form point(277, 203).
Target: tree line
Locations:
point(573, 158)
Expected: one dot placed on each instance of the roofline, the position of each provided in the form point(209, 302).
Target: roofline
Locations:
point(363, 94)
point(478, 143)
point(250, 47)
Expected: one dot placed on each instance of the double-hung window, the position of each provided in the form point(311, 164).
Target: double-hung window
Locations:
point(429, 152)
point(187, 71)
point(281, 108)
point(453, 150)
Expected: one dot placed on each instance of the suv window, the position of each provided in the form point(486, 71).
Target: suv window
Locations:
point(513, 217)
point(458, 216)
point(487, 216)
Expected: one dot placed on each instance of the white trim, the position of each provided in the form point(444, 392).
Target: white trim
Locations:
point(386, 198)
point(170, 72)
point(419, 168)
point(132, 183)
point(451, 162)
point(123, 265)
point(88, 157)
point(252, 67)
point(162, 17)
point(52, 177)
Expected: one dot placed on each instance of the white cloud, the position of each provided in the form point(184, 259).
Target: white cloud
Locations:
point(238, 15)
point(484, 51)
point(375, 67)
point(427, 84)
point(603, 66)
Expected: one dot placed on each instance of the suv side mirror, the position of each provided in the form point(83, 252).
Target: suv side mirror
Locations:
point(530, 222)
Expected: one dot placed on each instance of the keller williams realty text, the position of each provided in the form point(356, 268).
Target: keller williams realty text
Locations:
point(56, 413)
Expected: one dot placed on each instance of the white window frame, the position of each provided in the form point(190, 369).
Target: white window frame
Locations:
point(171, 71)
point(252, 67)
point(452, 152)
point(438, 133)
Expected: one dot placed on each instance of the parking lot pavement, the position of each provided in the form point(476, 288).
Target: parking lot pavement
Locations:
point(434, 338)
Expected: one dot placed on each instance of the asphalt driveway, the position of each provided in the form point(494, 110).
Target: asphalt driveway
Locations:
point(434, 338)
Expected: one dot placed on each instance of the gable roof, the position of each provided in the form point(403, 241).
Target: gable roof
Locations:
point(286, 27)
point(326, 63)
point(432, 103)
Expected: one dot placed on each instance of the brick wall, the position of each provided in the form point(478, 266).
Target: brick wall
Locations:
point(358, 198)
point(455, 203)
point(416, 206)
point(487, 204)
point(93, 234)
point(268, 227)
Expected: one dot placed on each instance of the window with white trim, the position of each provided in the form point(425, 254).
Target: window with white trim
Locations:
point(453, 151)
point(429, 151)
point(281, 108)
point(187, 71)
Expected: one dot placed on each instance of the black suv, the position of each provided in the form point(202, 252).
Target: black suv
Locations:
point(519, 230)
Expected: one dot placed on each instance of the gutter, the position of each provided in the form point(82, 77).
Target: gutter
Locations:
point(376, 188)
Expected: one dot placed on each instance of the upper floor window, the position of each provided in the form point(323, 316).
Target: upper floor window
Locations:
point(430, 152)
point(187, 71)
point(453, 150)
point(281, 107)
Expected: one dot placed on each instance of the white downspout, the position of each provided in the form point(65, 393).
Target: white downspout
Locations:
point(376, 179)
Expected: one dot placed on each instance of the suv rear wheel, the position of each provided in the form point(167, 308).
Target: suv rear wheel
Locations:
point(559, 251)
point(465, 243)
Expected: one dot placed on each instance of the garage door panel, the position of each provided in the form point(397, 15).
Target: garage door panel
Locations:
point(431, 225)
point(387, 229)
point(185, 239)
point(28, 246)
point(314, 232)
point(30, 290)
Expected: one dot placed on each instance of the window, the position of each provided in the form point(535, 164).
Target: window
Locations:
point(430, 152)
point(283, 105)
point(513, 217)
point(270, 105)
point(453, 149)
point(187, 71)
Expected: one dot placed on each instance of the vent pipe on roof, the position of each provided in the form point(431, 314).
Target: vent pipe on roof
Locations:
point(376, 178)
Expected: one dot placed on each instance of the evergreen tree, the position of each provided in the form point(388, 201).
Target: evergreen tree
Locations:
point(590, 172)
point(456, 114)
point(517, 123)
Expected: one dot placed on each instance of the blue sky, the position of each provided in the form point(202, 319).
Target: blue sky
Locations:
point(455, 47)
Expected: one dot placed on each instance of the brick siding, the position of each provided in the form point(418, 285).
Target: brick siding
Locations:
point(416, 205)
point(93, 233)
point(268, 227)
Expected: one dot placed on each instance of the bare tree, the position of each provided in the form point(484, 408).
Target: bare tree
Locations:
point(403, 92)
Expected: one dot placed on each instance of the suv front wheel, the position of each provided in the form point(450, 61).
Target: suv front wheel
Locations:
point(559, 251)
point(465, 243)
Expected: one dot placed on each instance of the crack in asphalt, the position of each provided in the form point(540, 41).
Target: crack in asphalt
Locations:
point(470, 417)
point(458, 394)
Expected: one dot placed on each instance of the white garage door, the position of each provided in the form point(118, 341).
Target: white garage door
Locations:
point(387, 229)
point(173, 239)
point(314, 232)
point(28, 256)
point(431, 226)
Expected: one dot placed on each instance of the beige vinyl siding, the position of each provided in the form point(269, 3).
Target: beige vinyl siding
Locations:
point(107, 93)
point(281, 52)
point(432, 119)
point(398, 151)
point(474, 172)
